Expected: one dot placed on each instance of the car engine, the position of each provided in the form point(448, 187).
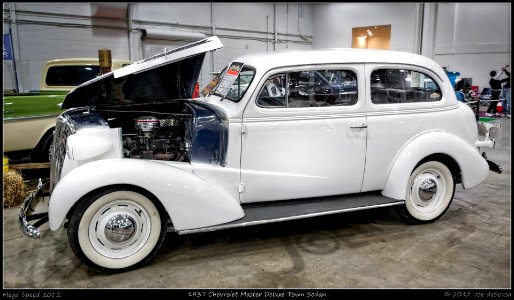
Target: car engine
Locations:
point(173, 130)
point(154, 138)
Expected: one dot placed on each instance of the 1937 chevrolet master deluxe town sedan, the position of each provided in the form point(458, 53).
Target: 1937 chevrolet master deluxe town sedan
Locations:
point(277, 136)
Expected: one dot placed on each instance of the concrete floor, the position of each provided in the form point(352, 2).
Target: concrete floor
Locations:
point(469, 247)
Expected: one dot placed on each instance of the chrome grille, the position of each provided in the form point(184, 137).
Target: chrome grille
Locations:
point(67, 124)
point(63, 129)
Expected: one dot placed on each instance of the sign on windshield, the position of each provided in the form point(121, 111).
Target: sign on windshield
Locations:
point(229, 78)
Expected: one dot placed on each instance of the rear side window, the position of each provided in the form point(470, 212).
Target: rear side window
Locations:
point(402, 86)
point(313, 88)
point(70, 75)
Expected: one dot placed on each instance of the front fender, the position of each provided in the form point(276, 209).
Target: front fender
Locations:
point(474, 168)
point(191, 201)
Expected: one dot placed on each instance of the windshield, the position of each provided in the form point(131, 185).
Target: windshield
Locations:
point(231, 85)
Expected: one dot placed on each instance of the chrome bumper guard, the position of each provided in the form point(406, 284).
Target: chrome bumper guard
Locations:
point(492, 166)
point(491, 132)
point(27, 209)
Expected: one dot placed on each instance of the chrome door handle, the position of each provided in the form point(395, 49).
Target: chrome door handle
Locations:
point(362, 126)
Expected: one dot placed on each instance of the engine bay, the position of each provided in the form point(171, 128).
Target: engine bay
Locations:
point(150, 133)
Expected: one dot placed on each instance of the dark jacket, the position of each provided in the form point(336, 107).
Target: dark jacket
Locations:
point(496, 88)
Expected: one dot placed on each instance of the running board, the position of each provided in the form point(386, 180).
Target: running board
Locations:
point(270, 212)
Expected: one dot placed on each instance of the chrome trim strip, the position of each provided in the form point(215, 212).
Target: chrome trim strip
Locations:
point(304, 117)
point(169, 56)
point(343, 115)
point(227, 226)
point(28, 118)
point(397, 111)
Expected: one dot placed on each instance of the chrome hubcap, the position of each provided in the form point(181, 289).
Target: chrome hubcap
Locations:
point(428, 190)
point(120, 228)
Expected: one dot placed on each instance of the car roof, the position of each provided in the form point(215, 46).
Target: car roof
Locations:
point(270, 60)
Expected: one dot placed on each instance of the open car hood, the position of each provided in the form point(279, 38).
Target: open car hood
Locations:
point(169, 75)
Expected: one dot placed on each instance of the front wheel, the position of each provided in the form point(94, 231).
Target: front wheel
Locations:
point(430, 191)
point(116, 230)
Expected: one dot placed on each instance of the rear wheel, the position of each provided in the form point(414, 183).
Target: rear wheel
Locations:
point(429, 193)
point(116, 230)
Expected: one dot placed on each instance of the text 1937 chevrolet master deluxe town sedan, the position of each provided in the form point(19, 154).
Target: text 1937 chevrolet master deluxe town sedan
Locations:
point(278, 136)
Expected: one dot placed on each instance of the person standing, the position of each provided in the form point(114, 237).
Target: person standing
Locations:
point(506, 92)
point(496, 89)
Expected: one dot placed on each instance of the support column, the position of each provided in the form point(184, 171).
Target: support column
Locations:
point(429, 29)
point(213, 31)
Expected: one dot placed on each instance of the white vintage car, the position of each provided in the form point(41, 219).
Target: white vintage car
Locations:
point(278, 136)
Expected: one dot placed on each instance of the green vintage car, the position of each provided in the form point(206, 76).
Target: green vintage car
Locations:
point(29, 118)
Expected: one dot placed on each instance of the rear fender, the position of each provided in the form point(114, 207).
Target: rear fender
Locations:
point(474, 168)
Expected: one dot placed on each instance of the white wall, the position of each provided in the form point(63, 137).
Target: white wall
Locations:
point(47, 31)
point(332, 23)
point(59, 30)
point(473, 39)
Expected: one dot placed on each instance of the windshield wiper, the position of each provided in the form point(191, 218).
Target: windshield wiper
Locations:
point(215, 93)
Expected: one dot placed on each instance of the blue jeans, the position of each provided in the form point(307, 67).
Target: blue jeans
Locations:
point(506, 100)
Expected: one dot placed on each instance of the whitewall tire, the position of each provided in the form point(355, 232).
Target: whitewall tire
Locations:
point(116, 230)
point(430, 191)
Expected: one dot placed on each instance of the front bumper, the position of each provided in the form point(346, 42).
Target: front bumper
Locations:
point(27, 211)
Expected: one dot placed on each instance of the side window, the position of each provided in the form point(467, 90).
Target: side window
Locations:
point(402, 86)
point(273, 92)
point(71, 75)
point(309, 89)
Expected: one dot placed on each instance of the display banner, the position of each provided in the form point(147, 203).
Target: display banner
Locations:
point(7, 47)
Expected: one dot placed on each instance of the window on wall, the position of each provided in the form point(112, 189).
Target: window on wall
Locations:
point(402, 86)
point(309, 89)
point(372, 37)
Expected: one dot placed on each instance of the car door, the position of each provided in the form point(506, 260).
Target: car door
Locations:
point(304, 134)
point(403, 102)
